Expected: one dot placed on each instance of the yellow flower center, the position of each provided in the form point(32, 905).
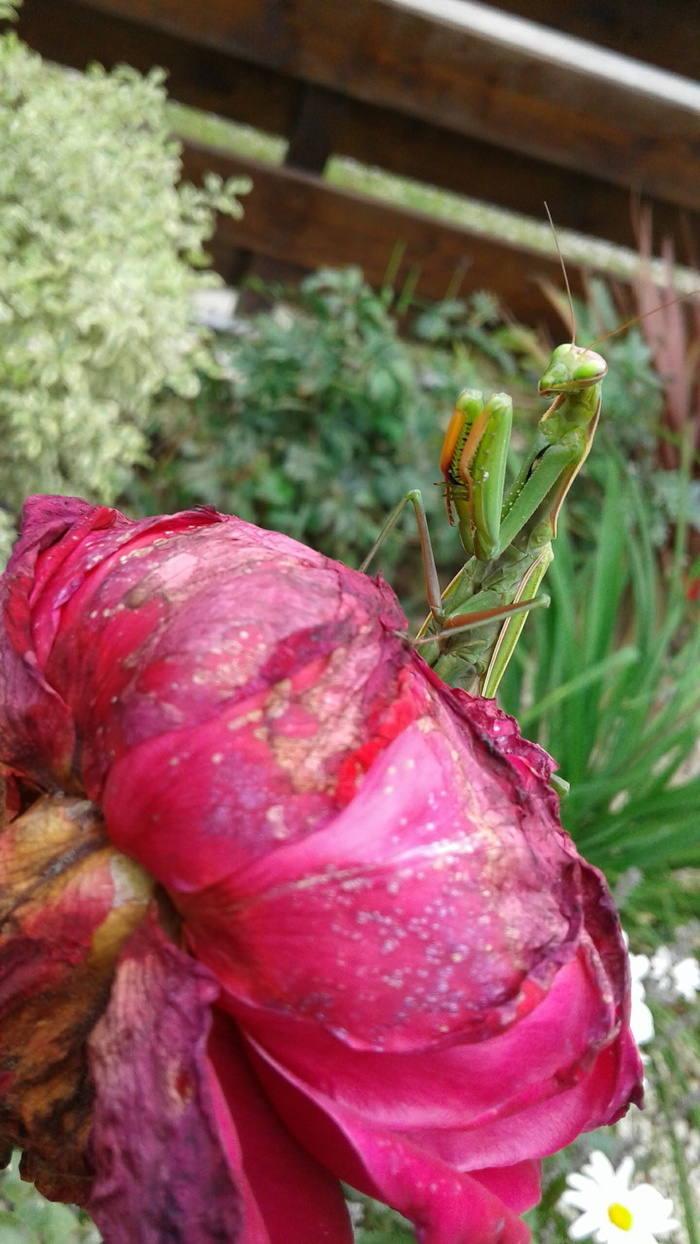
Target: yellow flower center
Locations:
point(620, 1216)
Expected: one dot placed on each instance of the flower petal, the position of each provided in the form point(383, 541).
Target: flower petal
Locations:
point(155, 1115)
point(449, 1101)
point(442, 933)
point(653, 1209)
point(299, 1199)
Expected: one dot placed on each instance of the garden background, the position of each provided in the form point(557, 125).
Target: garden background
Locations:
point(127, 380)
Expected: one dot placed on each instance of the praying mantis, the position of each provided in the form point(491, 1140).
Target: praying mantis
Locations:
point(474, 625)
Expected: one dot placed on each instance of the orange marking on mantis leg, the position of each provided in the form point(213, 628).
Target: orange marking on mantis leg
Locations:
point(469, 448)
point(449, 448)
point(449, 444)
point(458, 455)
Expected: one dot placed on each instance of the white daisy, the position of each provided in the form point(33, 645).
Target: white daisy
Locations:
point(641, 1018)
point(611, 1211)
point(681, 978)
point(686, 976)
point(661, 963)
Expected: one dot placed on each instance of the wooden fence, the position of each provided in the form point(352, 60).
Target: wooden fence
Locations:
point(456, 94)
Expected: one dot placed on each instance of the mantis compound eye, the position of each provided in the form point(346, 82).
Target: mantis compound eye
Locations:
point(590, 368)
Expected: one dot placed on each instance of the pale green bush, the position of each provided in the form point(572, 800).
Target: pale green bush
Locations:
point(99, 248)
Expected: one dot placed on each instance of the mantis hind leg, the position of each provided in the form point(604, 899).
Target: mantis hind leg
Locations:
point(483, 607)
point(432, 583)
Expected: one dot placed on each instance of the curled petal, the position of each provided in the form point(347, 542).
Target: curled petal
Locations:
point(299, 1199)
point(214, 1162)
point(394, 942)
point(155, 1113)
point(446, 1109)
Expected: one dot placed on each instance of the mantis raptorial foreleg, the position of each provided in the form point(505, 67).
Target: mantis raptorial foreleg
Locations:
point(509, 540)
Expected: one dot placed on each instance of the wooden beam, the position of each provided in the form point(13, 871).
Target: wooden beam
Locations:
point(481, 170)
point(323, 225)
point(664, 32)
point(76, 33)
point(544, 99)
point(401, 144)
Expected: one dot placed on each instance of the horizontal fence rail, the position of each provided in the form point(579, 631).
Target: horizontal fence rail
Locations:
point(321, 226)
point(448, 92)
point(664, 32)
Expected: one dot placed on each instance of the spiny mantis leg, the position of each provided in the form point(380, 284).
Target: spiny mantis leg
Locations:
point(554, 464)
point(432, 583)
point(526, 497)
point(510, 541)
point(480, 617)
point(453, 624)
point(473, 463)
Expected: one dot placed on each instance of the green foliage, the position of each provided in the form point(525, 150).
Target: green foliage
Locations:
point(476, 327)
point(375, 1223)
point(97, 247)
point(27, 1218)
point(609, 680)
point(675, 1062)
point(324, 415)
point(322, 418)
point(664, 1139)
point(633, 389)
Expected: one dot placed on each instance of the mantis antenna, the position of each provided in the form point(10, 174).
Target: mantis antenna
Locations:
point(620, 327)
point(636, 318)
point(566, 278)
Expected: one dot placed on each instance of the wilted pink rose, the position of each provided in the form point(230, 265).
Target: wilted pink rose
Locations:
point(399, 972)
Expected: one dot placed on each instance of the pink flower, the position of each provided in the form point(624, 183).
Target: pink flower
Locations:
point(399, 972)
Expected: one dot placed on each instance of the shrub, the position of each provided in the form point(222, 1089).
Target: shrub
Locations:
point(99, 248)
point(323, 416)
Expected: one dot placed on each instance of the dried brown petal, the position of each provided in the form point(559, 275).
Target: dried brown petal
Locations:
point(68, 901)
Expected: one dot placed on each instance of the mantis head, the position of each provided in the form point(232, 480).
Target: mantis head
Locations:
point(572, 367)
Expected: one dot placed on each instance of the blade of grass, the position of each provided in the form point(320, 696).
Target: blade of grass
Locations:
point(690, 1210)
point(594, 673)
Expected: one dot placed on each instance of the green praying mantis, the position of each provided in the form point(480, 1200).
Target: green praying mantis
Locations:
point(474, 625)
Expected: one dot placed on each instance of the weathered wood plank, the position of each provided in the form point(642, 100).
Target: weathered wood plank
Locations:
point(537, 102)
point(216, 82)
point(415, 149)
point(75, 33)
point(664, 32)
point(323, 225)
